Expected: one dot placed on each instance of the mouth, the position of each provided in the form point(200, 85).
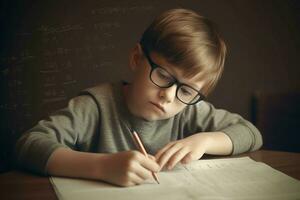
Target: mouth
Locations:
point(158, 106)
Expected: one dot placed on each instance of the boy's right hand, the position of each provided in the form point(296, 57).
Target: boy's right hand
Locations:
point(126, 168)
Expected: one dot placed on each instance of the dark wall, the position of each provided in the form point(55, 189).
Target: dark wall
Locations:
point(50, 50)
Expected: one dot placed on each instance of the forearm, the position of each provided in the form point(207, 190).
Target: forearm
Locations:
point(124, 168)
point(244, 135)
point(218, 143)
point(70, 163)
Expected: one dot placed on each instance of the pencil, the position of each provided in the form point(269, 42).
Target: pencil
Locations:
point(143, 150)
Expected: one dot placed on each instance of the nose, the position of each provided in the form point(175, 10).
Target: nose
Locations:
point(168, 94)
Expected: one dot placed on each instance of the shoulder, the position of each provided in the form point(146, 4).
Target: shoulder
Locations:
point(203, 112)
point(104, 95)
point(103, 89)
point(201, 107)
point(101, 94)
point(206, 110)
point(86, 102)
point(80, 106)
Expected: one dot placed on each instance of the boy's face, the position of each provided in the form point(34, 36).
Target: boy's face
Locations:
point(148, 101)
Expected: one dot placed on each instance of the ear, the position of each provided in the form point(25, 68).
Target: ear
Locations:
point(135, 57)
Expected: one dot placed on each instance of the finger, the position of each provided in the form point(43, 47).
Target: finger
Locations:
point(130, 179)
point(136, 179)
point(179, 155)
point(151, 157)
point(167, 154)
point(150, 164)
point(126, 184)
point(143, 173)
point(161, 151)
point(137, 173)
point(190, 157)
point(187, 159)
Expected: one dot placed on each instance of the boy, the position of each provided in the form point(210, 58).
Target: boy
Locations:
point(178, 61)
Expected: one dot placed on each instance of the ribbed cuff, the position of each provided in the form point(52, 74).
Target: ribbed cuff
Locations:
point(35, 157)
point(241, 138)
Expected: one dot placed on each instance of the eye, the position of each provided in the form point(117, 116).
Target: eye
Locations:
point(186, 91)
point(164, 75)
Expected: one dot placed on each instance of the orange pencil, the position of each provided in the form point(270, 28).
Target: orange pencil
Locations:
point(143, 150)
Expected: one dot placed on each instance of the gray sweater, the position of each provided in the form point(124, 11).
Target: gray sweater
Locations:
point(99, 121)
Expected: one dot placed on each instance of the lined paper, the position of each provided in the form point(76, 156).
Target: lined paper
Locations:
point(230, 178)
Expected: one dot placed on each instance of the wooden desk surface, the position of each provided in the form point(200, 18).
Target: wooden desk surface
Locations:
point(22, 185)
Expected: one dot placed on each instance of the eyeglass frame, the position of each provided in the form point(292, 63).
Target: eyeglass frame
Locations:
point(153, 66)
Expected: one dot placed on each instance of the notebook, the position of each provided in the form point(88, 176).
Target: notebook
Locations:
point(229, 178)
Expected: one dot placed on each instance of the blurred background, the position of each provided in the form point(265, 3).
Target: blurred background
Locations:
point(51, 50)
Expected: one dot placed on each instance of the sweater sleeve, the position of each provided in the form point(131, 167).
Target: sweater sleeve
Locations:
point(69, 128)
point(204, 117)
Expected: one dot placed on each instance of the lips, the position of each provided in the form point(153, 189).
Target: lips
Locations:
point(158, 106)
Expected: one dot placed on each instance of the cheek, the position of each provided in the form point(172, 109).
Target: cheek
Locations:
point(176, 107)
point(143, 90)
point(142, 86)
point(141, 80)
point(180, 107)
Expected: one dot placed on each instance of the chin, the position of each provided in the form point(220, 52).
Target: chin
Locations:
point(150, 118)
point(153, 117)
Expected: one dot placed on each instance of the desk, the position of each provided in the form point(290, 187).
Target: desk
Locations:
point(22, 185)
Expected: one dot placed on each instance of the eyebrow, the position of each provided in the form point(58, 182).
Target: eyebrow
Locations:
point(151, 61)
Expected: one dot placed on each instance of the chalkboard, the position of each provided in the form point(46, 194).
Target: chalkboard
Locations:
point(50, 50)
point(54, 49)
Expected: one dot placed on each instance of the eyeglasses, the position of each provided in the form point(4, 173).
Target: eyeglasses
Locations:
point(163, 79)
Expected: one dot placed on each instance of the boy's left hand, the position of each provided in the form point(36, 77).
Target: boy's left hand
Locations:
point(184, 150)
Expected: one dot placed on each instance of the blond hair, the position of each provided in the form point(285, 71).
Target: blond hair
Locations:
point(190, 42)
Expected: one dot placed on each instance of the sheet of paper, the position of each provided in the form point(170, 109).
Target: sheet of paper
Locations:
point(230, 178)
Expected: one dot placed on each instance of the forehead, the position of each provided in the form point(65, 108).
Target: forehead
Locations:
point(197, 81)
